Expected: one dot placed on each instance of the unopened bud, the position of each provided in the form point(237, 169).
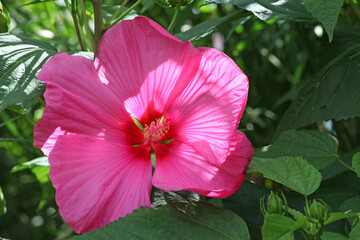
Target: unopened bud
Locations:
point(319, 210)
point(274, 204)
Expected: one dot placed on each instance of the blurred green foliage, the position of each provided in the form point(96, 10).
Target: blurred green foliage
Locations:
point(278, 56)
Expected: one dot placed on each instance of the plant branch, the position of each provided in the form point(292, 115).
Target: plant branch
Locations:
point(345, 165)
point(76, 23)
point(40, 101)
point(124, 14)
point(88, 31)
point(175, 18)
point(117, 12)
point(98, 21)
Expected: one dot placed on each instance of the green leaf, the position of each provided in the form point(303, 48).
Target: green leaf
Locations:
point(41, 161)
point(332, 236)
point(206, 222)
point(205, 28)
point(89, 55)
point(2, 203)
point(246, 203)
point(279, 227)
point(335, 93)
point(318, 148)
point(326, 12)
point(267, 9)
point(338, 216)
point(355, 233)
point(36, 1)
point(293, 172)
point(351, 205)
point(4, 19)
point(356, 163)
point(20, 60)
point(40, 168)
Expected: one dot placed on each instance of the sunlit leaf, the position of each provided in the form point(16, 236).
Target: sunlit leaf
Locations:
point(205, 222)
point(293, 172)
point(20, 60)
point(41, 161)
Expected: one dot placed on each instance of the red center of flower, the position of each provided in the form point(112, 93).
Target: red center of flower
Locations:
point(156, 130)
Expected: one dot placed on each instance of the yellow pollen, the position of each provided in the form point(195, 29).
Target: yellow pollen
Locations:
point(156, 130)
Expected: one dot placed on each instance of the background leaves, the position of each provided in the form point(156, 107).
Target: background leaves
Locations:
point(298, 80)
point(334, 94)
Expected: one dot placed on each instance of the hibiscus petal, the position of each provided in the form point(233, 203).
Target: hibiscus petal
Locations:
point(98, 181)
point(78, 102)
point(149, 72)
point(180, 167)
point(209, 110)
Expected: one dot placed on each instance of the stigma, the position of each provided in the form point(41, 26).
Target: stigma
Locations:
point(157, 129)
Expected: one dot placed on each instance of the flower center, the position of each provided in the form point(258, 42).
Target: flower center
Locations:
point(156, 130)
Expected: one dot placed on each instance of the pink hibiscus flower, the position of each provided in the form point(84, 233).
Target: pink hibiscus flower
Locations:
point(188, 100)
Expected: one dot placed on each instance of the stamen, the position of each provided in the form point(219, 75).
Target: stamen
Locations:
point(156, 130)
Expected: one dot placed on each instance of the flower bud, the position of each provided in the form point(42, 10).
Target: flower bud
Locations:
point(319, 210)
point(274, 204)
point(173, 3)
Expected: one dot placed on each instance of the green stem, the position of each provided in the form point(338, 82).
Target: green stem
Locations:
point(117, 12)
point(305, 236)
point(76, 23)
point(345, 165)
point(22, 115)
point(307, 206)
point(40, 101)
point(10, 120)
point(91, 37)
point(98, 22)
point(15, 140)
point(124, 14)
point(175, 18)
